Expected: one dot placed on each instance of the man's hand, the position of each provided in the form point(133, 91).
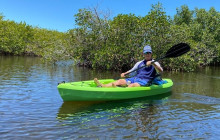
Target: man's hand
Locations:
point(123, 75)
point(148, 63)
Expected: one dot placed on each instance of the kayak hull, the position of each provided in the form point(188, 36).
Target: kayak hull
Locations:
point(87, 91)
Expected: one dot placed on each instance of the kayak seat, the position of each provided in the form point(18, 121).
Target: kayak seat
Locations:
point(157, 80)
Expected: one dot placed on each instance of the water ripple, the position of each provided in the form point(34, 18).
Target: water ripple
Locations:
point(31, 108)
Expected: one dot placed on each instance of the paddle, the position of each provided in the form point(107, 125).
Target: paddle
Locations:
point(175, 51)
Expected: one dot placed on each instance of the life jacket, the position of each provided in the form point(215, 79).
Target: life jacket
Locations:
point(147, 73)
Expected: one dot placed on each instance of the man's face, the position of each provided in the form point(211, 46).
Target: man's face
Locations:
point(148, 55)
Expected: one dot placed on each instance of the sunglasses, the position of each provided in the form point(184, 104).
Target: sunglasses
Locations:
point(147, 53)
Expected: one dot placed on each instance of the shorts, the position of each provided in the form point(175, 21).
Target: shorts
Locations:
point(137, 80)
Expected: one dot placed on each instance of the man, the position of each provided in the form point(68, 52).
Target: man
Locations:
point(143, 75)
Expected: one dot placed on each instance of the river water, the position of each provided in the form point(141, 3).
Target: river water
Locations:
point(31, 107)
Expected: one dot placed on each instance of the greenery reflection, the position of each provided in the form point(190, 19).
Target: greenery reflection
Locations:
point(70, 108)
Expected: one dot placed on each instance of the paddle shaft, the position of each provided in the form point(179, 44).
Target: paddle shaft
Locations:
point(146, 65)
point(175, 51)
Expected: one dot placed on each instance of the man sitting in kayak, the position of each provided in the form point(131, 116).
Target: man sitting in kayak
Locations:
point(143, 76)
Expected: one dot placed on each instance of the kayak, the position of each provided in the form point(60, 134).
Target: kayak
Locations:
point(88, 91)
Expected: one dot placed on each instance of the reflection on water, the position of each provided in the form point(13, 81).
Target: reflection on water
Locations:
point(69, 108)
point(31, 107)
point(123, 116)
point(204, 82)
point(149, 118)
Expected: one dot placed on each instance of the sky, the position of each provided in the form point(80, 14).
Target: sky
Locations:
point(59, 14)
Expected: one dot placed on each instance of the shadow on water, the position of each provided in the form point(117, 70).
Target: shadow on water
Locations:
point(69, 109)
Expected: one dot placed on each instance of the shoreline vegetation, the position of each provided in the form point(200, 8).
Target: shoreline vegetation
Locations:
point(99, 42)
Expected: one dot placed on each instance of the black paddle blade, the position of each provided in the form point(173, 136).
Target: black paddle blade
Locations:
point(177, 50)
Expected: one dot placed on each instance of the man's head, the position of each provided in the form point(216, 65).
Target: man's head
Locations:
point(147, 52)
point(147, 49)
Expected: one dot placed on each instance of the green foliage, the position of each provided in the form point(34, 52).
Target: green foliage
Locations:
point(14, 37)
point(90, 38)
point(119, 45)
point(184, 15)
point(116, 44)
point(51, 45)
point(20, 38)
point(156, 28)
point(1, 17)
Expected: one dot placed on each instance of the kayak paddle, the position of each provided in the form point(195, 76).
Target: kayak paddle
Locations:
point(174, 51)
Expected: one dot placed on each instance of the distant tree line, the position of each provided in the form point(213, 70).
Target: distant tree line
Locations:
point(116, 44)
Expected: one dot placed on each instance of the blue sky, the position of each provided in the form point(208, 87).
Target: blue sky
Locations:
point(59, 14)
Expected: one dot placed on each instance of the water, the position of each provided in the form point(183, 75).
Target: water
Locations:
point(31, 108)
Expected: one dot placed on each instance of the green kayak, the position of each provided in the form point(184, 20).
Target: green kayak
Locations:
point(88, 91)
